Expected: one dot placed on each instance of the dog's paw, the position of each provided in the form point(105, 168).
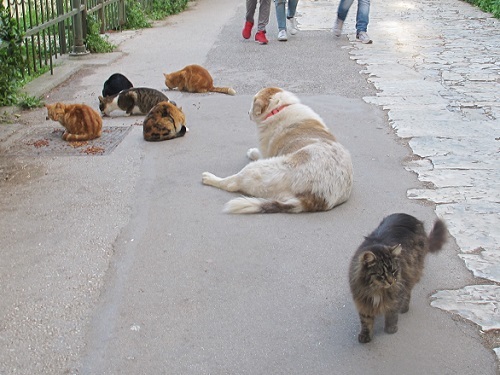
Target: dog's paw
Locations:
point(253, 154)
point(208, 178)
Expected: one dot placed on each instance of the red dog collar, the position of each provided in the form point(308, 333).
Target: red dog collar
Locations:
point(276, 110)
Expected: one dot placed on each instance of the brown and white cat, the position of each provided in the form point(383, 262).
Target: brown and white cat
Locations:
point(164, 121)
point(194, 78)
point(386, 267)
point(82, 123)
point(134, 101)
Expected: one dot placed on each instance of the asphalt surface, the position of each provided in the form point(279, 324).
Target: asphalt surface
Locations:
point(125, 264)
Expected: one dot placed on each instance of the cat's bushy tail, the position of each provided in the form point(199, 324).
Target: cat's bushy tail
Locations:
point(437, 237)
point(80, 137)
point(223, 90)
point(251, 205)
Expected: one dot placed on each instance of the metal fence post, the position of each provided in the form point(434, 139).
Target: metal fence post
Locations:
point(78, 46)
point(122, 13)
point(60, 26)
point(101, 14)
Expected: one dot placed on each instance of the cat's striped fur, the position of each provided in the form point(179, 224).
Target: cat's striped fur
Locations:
point(82, 123)
point(194, 78)
point(386, 267)
point(134, 101)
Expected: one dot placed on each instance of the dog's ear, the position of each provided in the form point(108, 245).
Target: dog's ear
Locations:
point(259, 106)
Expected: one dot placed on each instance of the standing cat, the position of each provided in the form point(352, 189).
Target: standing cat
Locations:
point(82, 123)
point(386, 267)
point(116, 83)
point(194, 78)
point(137, 101)
point(164, 121)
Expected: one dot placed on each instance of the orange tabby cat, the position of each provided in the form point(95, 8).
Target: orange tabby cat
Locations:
point(194, 78)
point(82, 123)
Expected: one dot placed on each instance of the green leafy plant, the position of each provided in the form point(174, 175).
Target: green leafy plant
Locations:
point(136, 17)
point(163, 8)
point(491, 6)
point(95, 42)
point(11, 58)
point(7, 118)
point(26, 101)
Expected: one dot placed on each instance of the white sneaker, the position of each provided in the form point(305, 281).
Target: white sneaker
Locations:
point(292, 25)
point(363, 37)
point(282, 37)
point(337, 27)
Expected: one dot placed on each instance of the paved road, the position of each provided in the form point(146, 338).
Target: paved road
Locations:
point(124, 263)
point(436, 67)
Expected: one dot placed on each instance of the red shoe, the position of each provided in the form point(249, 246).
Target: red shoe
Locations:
point(247, 30)
point(260, 37)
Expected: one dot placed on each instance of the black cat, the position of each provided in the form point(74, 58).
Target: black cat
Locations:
point(116, 83)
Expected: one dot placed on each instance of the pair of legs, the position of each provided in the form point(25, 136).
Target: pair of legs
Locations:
point(367, 322)
point(362, 16)
point(264, 10)
point(282, 14)
point(391, 319)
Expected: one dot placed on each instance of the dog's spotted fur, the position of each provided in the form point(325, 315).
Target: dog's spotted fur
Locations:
point(300, 166)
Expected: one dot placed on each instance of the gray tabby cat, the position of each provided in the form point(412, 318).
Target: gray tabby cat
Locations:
point(134, 101)
point(386, 267)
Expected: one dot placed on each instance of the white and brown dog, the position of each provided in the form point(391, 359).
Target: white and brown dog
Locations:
point(300, 166)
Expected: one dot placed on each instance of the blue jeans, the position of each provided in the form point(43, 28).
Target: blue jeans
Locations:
point(282, 15)
point(362, 17)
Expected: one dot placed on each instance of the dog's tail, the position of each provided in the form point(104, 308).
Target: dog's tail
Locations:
point(223, 90)
point(250, 205)
point(437, 237)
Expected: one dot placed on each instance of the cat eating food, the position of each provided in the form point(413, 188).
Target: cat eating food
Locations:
point(386, 267)
point(82, 123)
point(164, 121)
point(116, 83)
point(136, 101)
point(194, 78)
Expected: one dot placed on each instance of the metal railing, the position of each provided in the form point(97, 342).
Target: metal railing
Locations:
point(52, 28)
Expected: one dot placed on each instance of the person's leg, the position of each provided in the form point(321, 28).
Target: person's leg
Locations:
point(251, 5)
point(264, 11)
point(247, 29)
point(292, 8)
point(362, 17)
point(280, 14)
point(290, 16)
point(344, 9)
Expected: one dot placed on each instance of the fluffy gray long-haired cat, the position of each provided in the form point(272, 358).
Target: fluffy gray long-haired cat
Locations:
point(386, 267)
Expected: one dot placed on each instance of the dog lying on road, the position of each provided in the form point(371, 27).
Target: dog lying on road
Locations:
point(300, 166)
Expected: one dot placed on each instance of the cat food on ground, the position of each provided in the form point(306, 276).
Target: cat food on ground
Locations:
point(39, 143)
point(94, 150)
